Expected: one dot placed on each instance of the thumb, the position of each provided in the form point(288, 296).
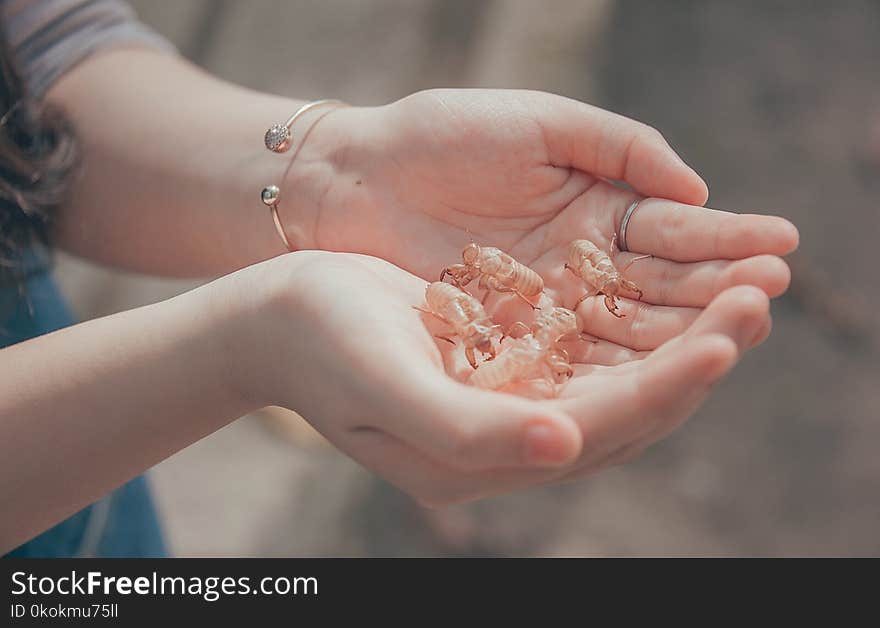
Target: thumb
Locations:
point(615, 147)
point(472, 429)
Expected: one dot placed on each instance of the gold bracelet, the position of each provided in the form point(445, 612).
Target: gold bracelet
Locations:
point(278, 139)
point(269, 196)
point(279, 136)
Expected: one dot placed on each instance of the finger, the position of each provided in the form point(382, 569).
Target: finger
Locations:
point(695, 284)
point(661, 397)
point(431, 482)
point(620, 456)
point(470, 429)
point(426, 479)
point(613, 146)
point(600, 352)
point(642, 327)
point(764, 333)
point(741, 313)
point(656, 392)
point(685, 233)
point(435, 483)
point(617, 414)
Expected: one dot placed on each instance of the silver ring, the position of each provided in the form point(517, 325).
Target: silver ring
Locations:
point(621, 234)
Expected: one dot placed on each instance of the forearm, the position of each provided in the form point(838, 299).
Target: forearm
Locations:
point(84, 409)
point(172, 164)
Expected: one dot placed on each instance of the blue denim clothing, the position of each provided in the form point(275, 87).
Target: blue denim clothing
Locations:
point(123, 523)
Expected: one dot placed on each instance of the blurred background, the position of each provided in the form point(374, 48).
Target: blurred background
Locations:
point(776, 104)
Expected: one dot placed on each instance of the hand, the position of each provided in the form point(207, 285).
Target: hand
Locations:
point(415, 181)
point(525, 171)
point(337, 340)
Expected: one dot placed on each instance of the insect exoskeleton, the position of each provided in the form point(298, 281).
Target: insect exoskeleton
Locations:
point(551, 324)
point(497, 271)
point(554, 324)
point(535, 355)
point(523, 359)
point(465, 316)
point(594, 266)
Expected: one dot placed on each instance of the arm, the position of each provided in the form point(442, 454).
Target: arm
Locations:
point(86, 408)
point(172, 166)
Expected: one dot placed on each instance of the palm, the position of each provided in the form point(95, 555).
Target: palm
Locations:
point(449, 181)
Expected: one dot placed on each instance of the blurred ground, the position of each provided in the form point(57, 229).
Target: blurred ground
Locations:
point(775, 103)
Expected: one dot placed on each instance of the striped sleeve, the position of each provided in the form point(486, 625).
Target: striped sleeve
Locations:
point(48, 37)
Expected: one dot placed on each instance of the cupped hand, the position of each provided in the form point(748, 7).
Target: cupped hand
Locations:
point(528, 172)
point(341, 343)
point(414, 181)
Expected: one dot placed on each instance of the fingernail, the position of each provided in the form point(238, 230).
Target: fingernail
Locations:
point(545, 446)
point(762, 333)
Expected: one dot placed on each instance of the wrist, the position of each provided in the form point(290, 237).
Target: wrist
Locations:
point(256, 316)
point(320, 170)
point(235, 176)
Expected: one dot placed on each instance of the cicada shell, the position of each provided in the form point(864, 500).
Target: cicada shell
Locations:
point(497, 271)
point(533, 356)
point(521, 360)
point(466, 318)
point(595, 267)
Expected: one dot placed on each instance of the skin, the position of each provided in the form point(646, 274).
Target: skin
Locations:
point(169, 186)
